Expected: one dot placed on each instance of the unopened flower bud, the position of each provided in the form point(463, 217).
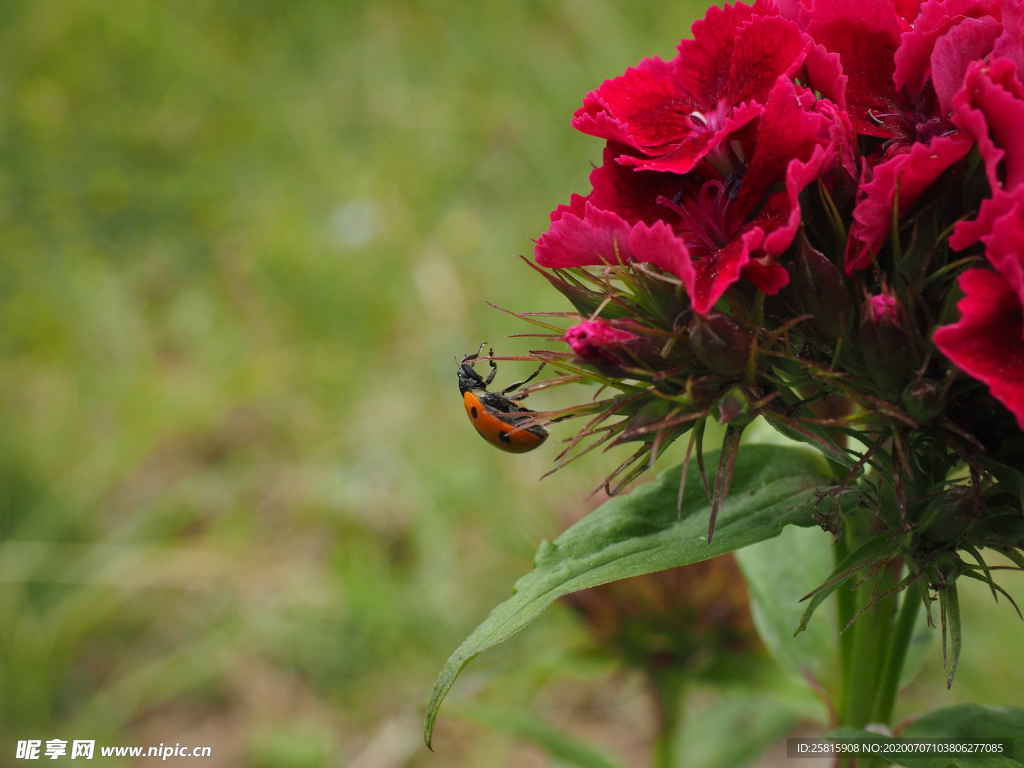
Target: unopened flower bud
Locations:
point(600, 344)
point(624, 348)
point(923, 400)
point(820, 290)
point(885, 343)
point(950, 515)
point(734, 407)
point(721, 343)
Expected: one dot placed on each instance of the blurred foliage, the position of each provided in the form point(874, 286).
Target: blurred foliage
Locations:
point(239, 244)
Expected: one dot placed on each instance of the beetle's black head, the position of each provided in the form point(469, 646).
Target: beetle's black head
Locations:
point(469, 379)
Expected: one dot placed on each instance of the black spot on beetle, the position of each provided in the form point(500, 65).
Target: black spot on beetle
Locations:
point(473, 411)
point(503, 436)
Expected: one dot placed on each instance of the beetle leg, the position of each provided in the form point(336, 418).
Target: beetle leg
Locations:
point(518, 384)
point(494, 368)
point(467, 369)
point(474, 356)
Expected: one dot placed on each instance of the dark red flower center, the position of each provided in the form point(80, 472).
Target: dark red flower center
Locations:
point(704, 221)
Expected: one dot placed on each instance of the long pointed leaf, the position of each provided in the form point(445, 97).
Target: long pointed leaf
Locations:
point(955, 631)
point(1012, 479)
point(640, 533)
point(779, 572)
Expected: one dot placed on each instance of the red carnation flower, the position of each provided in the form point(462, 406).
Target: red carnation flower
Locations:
point(990, 107)
point(903, 82)
point(988, 341)
point(866, 36)
point(707, 229)
point(679, 112)
point(947, 37)
point(910, 175)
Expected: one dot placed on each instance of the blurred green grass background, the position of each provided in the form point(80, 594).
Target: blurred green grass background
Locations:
point(240, 504)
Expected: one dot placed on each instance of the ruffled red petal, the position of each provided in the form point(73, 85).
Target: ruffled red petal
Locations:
point(866, 35)
point(825, 74)
point(1004, 247)
point(598, 238)
point(914, 57)
point(915, 171)
point(990, 107)
point(576, 207)
point(684, 156)
point(766, 276)
point(658, 245)
point(767, 48)
point(987, 342)
point(788, 131)
point(967, 233)
point(647, 107)
point(713, 273)
point(955, 51)
point(1011, 44)
point(798, 175)
point(631, 193)
point(703, 63)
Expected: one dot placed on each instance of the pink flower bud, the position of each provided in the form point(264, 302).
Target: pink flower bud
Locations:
point(885, 343)
point(600, 344)
point(882, 308)
point(594, 339)
point(948, 516)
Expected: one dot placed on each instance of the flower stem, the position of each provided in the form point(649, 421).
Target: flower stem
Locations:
point(890, 683)
point(870, 642)
point(668, 684)
point(844, 612)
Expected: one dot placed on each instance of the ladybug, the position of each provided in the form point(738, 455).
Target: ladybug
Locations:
point(495, 416)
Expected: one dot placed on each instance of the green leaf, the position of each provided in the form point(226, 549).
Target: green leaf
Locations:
point(1012, 478)
point(523, 725)
point(772, 486)
point(964, 722)
point(951, 612)
point(920, 641)
point(779, 572)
